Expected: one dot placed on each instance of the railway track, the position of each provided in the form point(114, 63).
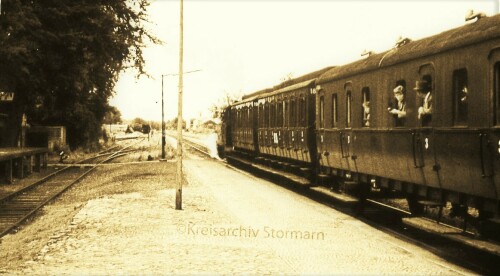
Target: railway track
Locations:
point(22, 204)
point(194, 143)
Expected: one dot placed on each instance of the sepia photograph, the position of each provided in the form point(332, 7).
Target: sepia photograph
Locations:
point(249, 137)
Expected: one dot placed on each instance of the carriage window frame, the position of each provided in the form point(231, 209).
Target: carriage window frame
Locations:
point(365, 97)
point(460, 97)
point(302, 110)
point(279, 113)
point(286, 116)
point(348, 108)
point(496, 95)
point(322, 111)
point(335, 112)
point(293, 111)
point(396, 121)
point(266, 114)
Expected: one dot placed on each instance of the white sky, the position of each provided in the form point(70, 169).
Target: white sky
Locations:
point(242, 46)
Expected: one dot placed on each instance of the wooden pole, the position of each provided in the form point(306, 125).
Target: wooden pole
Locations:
point(162, 122)
point(178, 194)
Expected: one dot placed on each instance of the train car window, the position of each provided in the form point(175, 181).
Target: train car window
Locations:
point(497, 93)
point(302, 111)
point(348, 110)
point(266, 114)
point(397, 103)
point(365, 106)
point(460, 97)
point(279, 118)
point(293, 108)
point(262, 115)
point(322, 112)
point(249, 116)
point(272, 115)
point(286, 115)
point(335, 114)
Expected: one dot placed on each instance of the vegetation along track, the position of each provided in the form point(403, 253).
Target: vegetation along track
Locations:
point(20, 205)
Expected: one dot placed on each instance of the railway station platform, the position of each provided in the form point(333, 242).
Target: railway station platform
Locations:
point(20, 162)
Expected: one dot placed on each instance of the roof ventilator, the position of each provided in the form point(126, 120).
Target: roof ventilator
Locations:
point(367, 53)
point(402, 41)
point(471, 15)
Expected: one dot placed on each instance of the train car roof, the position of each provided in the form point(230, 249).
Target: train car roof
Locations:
point(483, 29)
point(289, 88)
point(301, 79)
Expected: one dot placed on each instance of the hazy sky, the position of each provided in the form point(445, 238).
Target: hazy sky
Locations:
point(242, 46)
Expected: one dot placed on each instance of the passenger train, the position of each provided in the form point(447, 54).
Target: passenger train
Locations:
point(336, 125)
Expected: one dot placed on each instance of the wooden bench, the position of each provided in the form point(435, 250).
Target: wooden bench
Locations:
point(18, 162)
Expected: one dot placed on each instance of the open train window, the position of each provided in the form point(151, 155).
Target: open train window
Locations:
point(293, 111)
point(322, 111)
point(460, 97)
point(365, 106)
point(496, 89)
point(397, 103)
point(335, 114)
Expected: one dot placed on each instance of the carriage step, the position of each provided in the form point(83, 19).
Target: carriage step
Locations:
point(441, 230)
point(333, 195)
point(431, 204)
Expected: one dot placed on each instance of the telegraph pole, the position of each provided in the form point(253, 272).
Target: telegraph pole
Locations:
point(162, 122)
point(178, 194)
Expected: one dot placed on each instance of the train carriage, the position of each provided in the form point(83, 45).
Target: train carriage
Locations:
point(451, 157)
point(365, 124)
point(286, 122)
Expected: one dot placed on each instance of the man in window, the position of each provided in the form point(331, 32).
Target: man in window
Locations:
point(399, 108)
point(425, 111)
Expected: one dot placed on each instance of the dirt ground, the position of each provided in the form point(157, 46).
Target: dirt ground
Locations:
point(28, 241)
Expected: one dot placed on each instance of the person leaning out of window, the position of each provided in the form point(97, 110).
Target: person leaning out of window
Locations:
point(398, 108)
point(423, 90)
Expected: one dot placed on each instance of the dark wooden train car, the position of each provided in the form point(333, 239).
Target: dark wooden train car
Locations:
point(242, 126)
point(286, 122)
point(453, 155)
point(285, 127)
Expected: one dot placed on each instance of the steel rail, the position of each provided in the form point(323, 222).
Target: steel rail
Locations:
point(20, 218)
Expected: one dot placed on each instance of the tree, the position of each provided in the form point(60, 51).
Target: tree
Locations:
point(112, 116)
point(71, 57)
point(18, 59)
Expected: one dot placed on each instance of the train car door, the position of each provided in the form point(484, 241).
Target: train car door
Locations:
point(346, 135)
point(494, 135)
point(320, 127)
point(424, 139)
point(460, 149)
